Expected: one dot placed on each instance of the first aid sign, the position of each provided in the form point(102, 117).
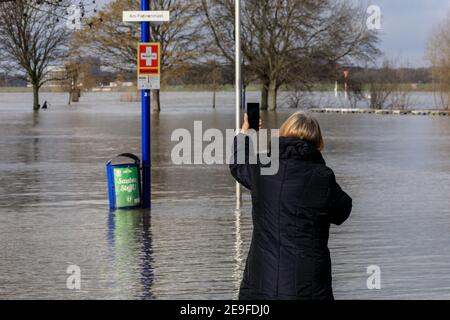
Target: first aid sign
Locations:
point(149, 66)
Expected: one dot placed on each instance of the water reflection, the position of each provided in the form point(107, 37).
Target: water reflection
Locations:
point(130, 247)
point(238, 247)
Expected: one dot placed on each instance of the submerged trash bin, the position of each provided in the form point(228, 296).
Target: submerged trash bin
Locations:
point(124, 182)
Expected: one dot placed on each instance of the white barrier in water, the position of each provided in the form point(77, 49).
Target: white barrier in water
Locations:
point(381, 111)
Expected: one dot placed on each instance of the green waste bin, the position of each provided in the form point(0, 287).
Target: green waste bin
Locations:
point(124, 182)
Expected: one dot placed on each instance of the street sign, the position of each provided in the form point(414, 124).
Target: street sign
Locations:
point(149, 66)
point(146, 16)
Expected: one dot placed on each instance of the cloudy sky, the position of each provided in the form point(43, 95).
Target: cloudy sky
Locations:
point(406, 26)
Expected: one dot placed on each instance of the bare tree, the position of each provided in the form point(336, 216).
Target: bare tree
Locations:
point(280, 37)
point(116, 42)
point(439, 56)
point(387, 86)
point(355, 92)
point(32, 39)
point(381, 82)
point(76, 77)
point(299, 99)
point(400, 98)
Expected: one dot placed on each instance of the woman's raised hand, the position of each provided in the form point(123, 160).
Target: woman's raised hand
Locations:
point(246, 124)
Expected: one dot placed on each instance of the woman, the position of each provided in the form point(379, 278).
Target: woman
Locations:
point(292, 212)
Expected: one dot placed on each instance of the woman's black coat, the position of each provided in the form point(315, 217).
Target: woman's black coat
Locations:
point(292, 212)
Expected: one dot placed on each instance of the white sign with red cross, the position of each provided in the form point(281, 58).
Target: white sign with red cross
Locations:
point(149, 66)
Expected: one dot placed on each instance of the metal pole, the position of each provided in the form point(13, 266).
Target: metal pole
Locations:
point(146, 157)
point(244, 89)
point(238, 83)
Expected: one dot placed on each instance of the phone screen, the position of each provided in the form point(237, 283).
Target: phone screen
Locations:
point(253, 115)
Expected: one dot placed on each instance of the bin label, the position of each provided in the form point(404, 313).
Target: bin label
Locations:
point(126, 184)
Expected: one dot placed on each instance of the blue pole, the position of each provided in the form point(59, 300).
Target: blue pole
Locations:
point(146, 157)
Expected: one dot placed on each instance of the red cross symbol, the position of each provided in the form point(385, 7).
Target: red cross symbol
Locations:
point(148, 56)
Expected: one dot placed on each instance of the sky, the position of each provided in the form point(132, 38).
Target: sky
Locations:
point(406, 26)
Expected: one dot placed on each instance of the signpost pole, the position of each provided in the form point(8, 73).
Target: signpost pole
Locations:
point(149, 73)
point(146, 157)
point(238, 84)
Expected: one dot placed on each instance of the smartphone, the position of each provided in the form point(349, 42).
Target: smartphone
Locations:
point(253, 115)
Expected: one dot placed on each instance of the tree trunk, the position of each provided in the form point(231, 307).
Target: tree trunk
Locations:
point(214, 98)
point(156, 103)
point(264, 97)
point(76, 95)
point(36, 105)
point(273, 93)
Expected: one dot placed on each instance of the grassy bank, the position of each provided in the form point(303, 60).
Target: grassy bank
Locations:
point(28, 90)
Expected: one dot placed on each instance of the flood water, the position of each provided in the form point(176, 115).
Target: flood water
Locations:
point(193, 244)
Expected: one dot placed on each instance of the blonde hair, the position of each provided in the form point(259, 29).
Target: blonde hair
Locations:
point(303, 126)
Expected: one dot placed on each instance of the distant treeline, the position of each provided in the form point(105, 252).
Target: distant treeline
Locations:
point(200, 75)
